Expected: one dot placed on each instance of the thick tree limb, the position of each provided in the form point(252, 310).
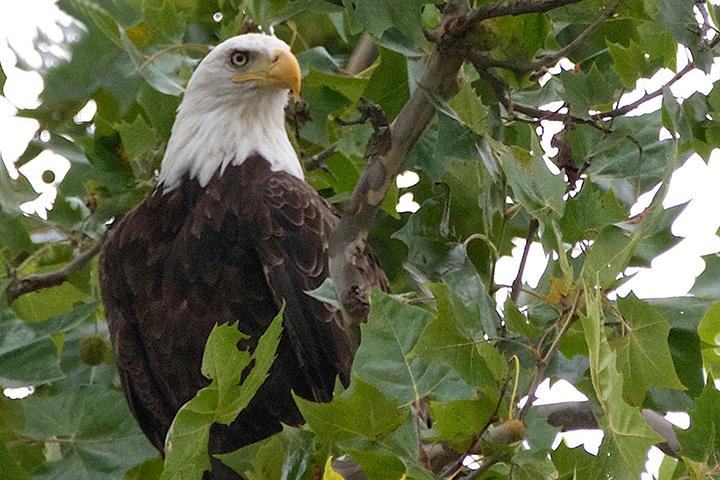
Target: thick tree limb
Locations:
point(515, 7)
point(579, 416)
point(31, 283)
point(347, 241)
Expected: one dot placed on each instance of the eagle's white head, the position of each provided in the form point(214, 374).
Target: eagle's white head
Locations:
point(233, 107)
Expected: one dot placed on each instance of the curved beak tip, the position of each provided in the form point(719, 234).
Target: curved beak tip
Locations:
point(286, 69)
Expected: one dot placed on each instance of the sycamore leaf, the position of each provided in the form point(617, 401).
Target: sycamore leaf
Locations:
point(701, 442)
point(643, 353)
point(709, 331)
point(362, 412)
point(386, 357)
point(446, 341)
point(627, 435)
point(707, 285)
point(95, 435)
point(28, 355)
point(459, 421)
point(534, 186)
point(186, 449)
point(285, 456)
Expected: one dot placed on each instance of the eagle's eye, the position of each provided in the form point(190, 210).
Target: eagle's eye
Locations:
point(239, 58)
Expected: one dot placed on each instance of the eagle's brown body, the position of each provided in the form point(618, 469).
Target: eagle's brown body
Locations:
point(234, 250)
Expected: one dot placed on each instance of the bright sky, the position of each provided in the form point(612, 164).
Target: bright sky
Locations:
point(671, 274)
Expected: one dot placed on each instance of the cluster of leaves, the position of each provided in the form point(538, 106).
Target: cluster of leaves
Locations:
point(438, 350)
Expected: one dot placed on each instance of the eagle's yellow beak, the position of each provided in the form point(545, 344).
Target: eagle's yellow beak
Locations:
point(280, 70)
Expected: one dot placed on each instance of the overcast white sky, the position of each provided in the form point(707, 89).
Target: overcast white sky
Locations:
point(672, 274)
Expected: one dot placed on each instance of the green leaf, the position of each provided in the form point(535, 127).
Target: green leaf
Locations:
point(162, 74)
point(458, 422)
point(137, 137)
point(631, 160)
point(701, 442)
point(377, 466)
point(522, 36)
point(643, 353)
point(351, 88)
point(534, 186)
point(285, 455)
point(386, 359)
point(362, 412)
point(679, 19)
point(377, 16)
point(388, 87)
point(469, 108)
point(589, 212)
point(96, 436)
point(585, 92)
point(12, 470)
point(435, 256)
point(707, 284)
point(15, 239)
point(630, 63)
point(627, 435)
point(709, 332)
point(13, 192)
point(28, 355)
point(103, 20)
point(529, 465)
point(147, 470)
point(446, 340)
point(607, 257)
point(186, 450)
point(517, 322)
point(572, 462)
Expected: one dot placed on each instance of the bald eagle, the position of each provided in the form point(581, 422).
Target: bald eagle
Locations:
point(230, 233)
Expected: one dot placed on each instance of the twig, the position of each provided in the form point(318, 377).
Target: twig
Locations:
point(318, 160)
point(566, 321)
point(553, 58)
point(181, 46)
point(31, 283)
point(517, 283)
point(706, 25)
point(649, 96)
point(499, 87)
point(483, 467)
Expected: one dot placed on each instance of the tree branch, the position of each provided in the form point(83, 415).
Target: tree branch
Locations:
point(517, 283)
point(515, 7)
point(31, 283)
point(552, 58)
point(579, 416)
point(348, 240)
point(363, 56)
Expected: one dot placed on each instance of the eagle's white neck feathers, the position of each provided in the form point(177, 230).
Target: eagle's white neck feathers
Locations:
point(220, 123)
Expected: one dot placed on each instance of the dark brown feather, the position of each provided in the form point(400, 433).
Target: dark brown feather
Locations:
point(183, 261)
